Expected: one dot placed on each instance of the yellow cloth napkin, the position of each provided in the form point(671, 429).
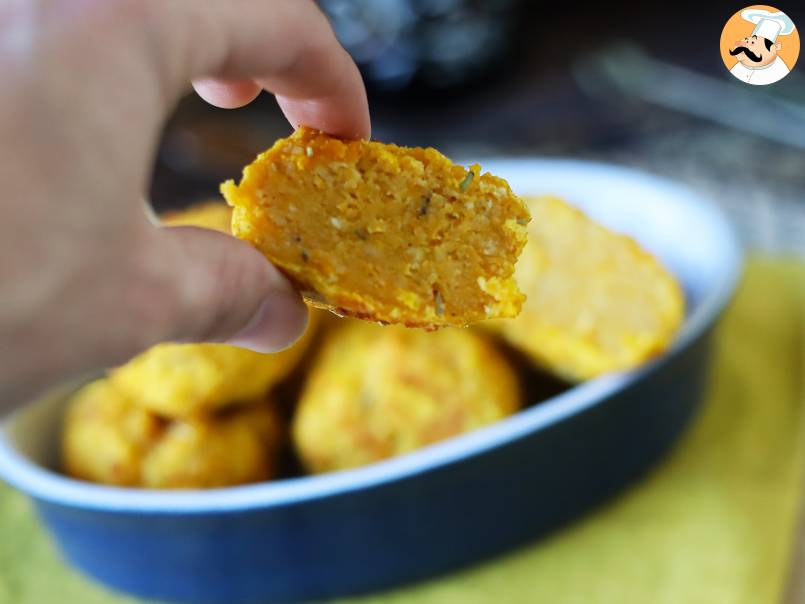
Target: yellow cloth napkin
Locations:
point(713, 523)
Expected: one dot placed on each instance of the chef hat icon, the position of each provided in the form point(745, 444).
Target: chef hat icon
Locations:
point(768, 25)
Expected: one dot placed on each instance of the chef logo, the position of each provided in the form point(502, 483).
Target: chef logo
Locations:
point(759, 45)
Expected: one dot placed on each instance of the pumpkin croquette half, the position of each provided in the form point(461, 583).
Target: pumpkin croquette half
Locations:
point(597, 302)
point(376, 392)
point(108, 439)
point(381, 232)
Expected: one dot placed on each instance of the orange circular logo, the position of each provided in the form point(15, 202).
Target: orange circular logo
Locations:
point(759, 45)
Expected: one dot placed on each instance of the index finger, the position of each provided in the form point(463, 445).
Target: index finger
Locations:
point(285, 46)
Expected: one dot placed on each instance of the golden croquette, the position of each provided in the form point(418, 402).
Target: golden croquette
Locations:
point(183, 380)
point(375, 392)
point(596, 301)
point(108, 439)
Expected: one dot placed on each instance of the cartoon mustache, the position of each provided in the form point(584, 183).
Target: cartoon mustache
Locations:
point(743, 49)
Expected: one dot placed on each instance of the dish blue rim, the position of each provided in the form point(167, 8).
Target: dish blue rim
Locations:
point(47, 485)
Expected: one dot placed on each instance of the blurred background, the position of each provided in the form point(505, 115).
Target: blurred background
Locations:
point(636, 85)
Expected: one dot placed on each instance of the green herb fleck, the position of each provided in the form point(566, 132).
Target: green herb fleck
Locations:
point(467, 180)
point(309, 151)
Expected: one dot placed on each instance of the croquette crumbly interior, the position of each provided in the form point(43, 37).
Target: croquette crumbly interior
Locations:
point(597, 302)
point(381, 232)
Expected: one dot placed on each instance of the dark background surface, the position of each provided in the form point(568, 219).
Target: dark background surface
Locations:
point(636, 85)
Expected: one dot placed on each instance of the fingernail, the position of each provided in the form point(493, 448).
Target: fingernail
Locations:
point(279, 321)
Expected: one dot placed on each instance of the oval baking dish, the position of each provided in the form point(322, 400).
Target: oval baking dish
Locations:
point(438, 508)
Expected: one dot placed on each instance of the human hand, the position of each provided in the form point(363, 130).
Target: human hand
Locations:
point(86, 280)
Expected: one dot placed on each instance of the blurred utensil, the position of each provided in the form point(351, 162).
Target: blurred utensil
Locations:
point(632, 72)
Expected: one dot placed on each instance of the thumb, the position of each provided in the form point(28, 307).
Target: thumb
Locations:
point(224, 290)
